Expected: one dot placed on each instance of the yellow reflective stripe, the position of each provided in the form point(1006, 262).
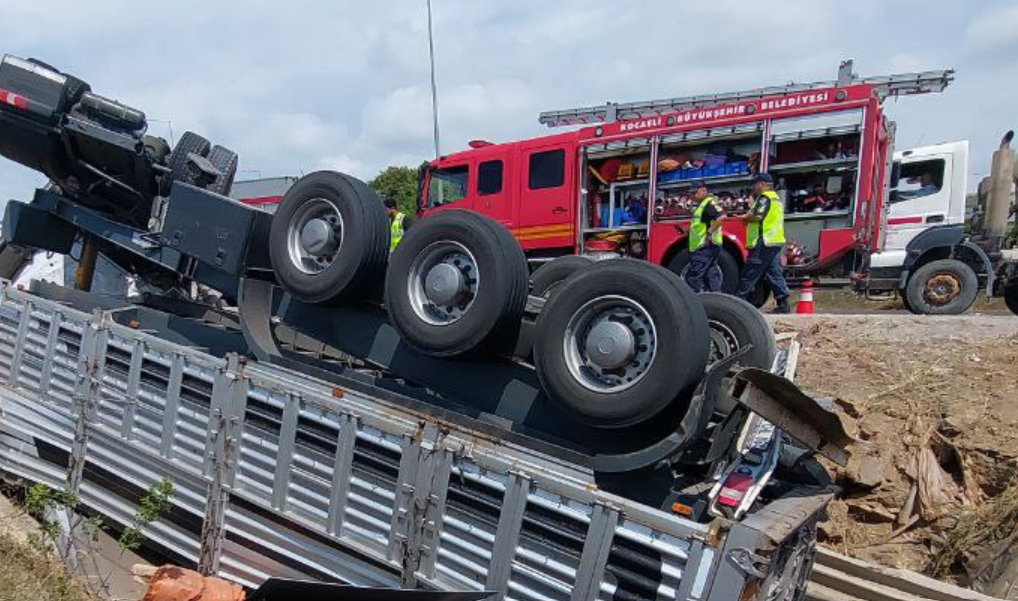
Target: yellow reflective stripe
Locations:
point(545, 236)
point(541, 229)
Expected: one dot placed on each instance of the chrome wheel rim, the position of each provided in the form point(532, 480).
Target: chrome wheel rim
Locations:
point(610, 343)
point(723, 342)
point(314, 236)
point(443, 283)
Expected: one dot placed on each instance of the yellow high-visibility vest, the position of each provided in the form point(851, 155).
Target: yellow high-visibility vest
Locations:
point(773, 223)
point(698, 229)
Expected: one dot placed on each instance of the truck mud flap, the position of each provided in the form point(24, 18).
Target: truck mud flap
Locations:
point(797, 414)
point(254, 304)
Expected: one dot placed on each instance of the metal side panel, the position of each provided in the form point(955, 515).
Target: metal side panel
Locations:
point(260, 543)
point(315, 480)
point(20, 455)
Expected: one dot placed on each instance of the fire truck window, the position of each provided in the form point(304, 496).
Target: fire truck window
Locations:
point(547, 169)
point(489, 178)
point(919, 178)
point(448, 185)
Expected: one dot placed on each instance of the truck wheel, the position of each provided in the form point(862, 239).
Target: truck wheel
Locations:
point(620, 341)
point(189, 143)
point(904, 302)
point(457, 284)
point(726, 263)
point(550, 276)
point(329, 238)
point(734, 324)
point(1011, 297)
point(944, 287)
point(225, 160)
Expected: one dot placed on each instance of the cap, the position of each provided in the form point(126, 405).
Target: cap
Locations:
point(763, 177)
point(699, 184)
point(390, 203)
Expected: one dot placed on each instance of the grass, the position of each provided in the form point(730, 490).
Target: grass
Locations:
point(980, 530)
point(26, 572)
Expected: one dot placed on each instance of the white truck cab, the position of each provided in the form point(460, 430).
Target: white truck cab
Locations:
point(928, 188)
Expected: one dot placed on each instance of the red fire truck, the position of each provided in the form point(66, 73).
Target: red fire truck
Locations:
point(619, 185)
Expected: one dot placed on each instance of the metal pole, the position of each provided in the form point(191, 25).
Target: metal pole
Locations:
point(434, 89)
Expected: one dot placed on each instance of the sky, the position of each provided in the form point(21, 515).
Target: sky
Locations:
point(304, 85)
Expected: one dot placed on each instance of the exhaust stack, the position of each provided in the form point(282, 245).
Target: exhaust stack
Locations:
point(1002, 189)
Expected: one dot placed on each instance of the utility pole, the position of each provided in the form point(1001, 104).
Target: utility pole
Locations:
point(434, 89)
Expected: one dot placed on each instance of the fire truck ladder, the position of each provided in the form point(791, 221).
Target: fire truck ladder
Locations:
point(884, 86)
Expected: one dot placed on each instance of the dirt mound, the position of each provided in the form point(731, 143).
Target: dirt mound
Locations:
point(932, 486)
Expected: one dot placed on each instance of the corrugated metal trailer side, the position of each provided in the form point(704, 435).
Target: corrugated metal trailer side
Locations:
point(281, 474)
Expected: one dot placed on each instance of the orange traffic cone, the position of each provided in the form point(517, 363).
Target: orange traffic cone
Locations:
point(805, 304)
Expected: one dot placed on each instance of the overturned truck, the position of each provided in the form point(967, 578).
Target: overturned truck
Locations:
point(433, 417)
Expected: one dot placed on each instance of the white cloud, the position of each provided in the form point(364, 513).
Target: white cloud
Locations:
point(994, 30)
point(301, 86)
point(346, 164)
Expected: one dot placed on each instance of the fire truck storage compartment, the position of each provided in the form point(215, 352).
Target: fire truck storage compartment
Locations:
point(724, 157)
point(815, 162)
point(617, 184)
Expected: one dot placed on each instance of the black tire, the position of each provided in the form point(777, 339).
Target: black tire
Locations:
point(726, 262)
point(549, 276)
point(488, 318)
point(1011, 297)
point(225, 160)
point(944, 287)
point(362, 250)
point(734, 324)
point(180, 171)
point(904, 302)
point(677, 364)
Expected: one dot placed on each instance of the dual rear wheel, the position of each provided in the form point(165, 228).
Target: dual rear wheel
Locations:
point(617, 342)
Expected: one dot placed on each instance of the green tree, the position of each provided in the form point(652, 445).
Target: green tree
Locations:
point(399, 183)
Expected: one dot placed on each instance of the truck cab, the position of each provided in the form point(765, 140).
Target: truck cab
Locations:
point(928, 188)
point(527, 186)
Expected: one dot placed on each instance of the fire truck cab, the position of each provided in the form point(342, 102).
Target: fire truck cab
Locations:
point(621, 184)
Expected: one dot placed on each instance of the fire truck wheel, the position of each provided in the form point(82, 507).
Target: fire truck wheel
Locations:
point(726, 263)
point(225, 160)
point(1011, 297)
point(944, 287)
point(621, 341)
point(329, 239)
point(189, 143)
point(550, 276)
point(457, 284)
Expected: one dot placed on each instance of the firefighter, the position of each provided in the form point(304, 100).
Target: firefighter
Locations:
point(765, 239)
point(399, 223)
point(705, 241)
